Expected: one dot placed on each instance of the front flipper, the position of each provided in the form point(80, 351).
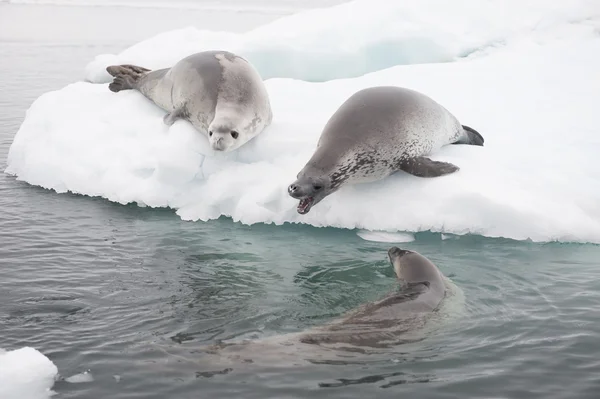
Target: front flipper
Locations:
point(425, 167)
point(170, 118)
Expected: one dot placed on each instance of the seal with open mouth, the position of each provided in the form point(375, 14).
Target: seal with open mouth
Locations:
point(374, 133)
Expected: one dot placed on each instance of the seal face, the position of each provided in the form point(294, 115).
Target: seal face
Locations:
point(374, 133)
point(218, 92)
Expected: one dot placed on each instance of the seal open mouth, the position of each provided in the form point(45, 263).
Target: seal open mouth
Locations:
point(305, 204)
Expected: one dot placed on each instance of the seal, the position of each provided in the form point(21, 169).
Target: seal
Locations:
point(382, 323)
point(219, 93)
point(422, 301)
point(397, 318)
point(376, 132)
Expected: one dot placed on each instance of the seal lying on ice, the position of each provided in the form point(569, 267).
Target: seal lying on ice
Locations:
point(219, 93)
point(374, 133)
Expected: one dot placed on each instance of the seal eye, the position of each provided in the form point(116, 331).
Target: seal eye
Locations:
point(234, 134)
point(209, 134)
point(317, 187)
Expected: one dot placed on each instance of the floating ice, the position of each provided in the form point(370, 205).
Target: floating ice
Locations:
point(26, 373)
point(86, 376)
point(361, 36)
point(535, 100)
point(384, 236)
point(448, 237)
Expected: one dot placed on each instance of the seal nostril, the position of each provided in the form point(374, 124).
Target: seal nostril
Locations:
point(293, 187)
point(209, 134)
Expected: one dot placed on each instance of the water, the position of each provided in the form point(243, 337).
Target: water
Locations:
point(133, 293)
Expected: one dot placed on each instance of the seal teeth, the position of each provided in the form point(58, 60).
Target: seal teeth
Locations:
point(305, 204)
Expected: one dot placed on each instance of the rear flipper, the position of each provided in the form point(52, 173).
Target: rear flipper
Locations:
point(425, 167)
point(471, 136)
point(125, 76)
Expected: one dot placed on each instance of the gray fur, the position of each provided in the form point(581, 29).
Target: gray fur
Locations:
point(374, 133)
point(218, 92)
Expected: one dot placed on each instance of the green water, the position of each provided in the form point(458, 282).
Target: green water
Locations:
point(134, 293)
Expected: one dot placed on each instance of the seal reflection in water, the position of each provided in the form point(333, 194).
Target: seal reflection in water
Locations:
point(382, 323)
point(219, 93)
point(374, 133)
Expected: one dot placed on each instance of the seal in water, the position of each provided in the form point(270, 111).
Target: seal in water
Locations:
point(373, 328)
point(374, 133)
point(219, 93)
point(381, 324)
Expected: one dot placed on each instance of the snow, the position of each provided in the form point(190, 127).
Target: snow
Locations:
point(530, 85)
point(26, 373)
point(357, 37)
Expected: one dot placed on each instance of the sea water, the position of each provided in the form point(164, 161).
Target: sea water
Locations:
point(133, 293)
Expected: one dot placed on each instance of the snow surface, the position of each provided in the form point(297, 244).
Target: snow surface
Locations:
point(533, 95)
point(26, 374)
point(361, 36)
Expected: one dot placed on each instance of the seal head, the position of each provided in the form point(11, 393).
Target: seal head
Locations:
point(414, 268)
point(310, 190)
point(396, 256)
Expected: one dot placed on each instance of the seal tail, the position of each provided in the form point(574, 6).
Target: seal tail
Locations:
point(471, 136)
point(125, 76)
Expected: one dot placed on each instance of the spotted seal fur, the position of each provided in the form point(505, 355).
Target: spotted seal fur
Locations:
point(374, 133)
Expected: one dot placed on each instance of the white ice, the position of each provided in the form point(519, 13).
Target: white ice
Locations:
point(384, 236)
point(26, 373)
point(361, 36)
point(86, 376)
point(532, 90)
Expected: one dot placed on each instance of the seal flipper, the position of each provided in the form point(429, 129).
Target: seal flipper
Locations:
point(425, 167)
point(178, 113)
point(126, 69)
point(122, 82)
point(125, 76)
point(471, 136)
